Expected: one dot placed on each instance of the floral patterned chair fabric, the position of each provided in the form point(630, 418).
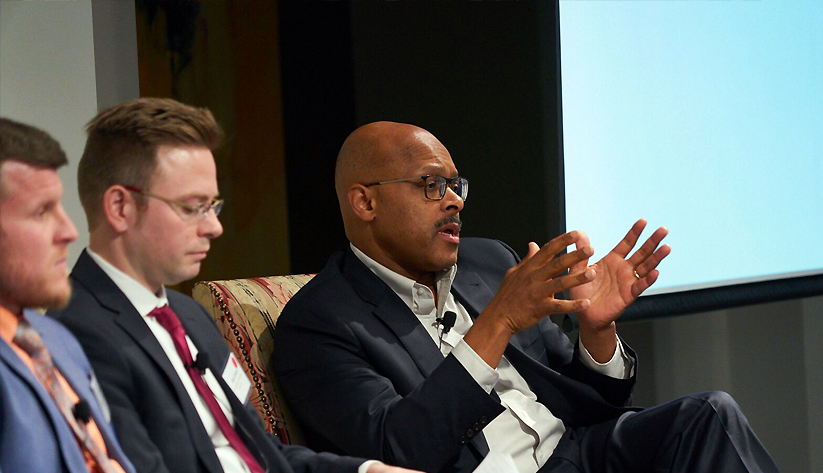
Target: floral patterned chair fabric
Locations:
point(246, 311)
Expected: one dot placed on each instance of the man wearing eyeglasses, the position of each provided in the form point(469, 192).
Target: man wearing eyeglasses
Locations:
point(147, 181)
point(404, 350)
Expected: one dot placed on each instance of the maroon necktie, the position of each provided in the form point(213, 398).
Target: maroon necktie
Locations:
point(27, 338)
point(168, 319)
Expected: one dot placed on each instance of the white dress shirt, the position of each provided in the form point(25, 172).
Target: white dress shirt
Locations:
point(526, 430)
point(144, 302)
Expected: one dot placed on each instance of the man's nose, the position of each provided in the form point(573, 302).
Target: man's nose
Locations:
point(211, 227)
point(452, 200)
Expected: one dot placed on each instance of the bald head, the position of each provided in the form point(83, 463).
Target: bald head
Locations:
point(395, 223)
point(373, 151)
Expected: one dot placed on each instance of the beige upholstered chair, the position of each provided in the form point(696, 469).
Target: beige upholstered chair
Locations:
point(246, 311)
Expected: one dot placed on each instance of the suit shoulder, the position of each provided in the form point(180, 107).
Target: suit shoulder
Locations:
point(484, 252)
point(189, 309)
point(182, 300)
point(329, 281)
point(329, 296)
point(83, 307)
point(44, 323)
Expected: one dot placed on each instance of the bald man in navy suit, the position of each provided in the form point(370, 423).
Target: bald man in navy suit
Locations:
point(405, 349)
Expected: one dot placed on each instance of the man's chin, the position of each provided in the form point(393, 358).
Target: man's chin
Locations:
point(183, 276)
point(55, 300)
point(446, 263)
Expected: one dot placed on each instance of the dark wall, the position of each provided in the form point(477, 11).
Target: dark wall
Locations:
point(318, 114)
point(481, 76)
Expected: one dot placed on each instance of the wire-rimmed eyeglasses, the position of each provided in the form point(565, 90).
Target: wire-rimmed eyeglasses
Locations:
point(435, 186)
point(187, 212)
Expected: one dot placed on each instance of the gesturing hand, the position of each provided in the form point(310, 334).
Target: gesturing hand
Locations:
point(527, 293)
point(619, 280)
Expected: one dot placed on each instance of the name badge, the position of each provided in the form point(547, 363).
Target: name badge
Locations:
point(236, 378)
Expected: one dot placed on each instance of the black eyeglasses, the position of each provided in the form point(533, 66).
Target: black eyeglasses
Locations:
point(187, 212)
point(436, 186)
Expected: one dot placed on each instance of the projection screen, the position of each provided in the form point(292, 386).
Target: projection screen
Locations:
point(705, 117)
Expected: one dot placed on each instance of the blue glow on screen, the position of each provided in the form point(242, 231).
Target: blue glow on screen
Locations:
point(702, 116)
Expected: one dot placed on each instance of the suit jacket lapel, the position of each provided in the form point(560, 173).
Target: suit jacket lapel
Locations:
point(406, 326)
point(243, 422)
point(109, 296)
point(195, 331)
point(79, 378)
point(252, 435)
point(473, 293)
point(389, 308)
point(68, 445)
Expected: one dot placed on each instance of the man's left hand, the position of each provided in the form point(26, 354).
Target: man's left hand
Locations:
point(618, 280)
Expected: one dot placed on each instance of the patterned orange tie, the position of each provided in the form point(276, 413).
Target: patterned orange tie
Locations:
point(27, 338)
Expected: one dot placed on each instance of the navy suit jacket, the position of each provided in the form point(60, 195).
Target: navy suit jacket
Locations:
point(365, 378)
point(151, 410)
point(34, 436)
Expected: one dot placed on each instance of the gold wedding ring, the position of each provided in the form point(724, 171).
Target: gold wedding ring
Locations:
point(636, 275)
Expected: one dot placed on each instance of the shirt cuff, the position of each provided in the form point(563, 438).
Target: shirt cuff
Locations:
point(485, 375)
point(366, 465)
point(621, 366)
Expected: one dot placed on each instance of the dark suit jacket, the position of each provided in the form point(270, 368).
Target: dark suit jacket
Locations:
point(34, 436)
point(151, 411)
point(365, 378)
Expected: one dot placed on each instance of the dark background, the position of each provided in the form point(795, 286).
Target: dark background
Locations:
point(481, 76)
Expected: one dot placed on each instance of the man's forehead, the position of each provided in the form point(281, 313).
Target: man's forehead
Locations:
point(425, 139)
point(176, 160)
point(24, 189)
point(169, 155)
point(16, 174)
point(423, 149)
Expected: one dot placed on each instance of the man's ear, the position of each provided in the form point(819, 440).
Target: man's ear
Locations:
point(120, 208)
point(362, 202)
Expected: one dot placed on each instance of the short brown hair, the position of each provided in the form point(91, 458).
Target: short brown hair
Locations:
point(29, 145)
point(123, 141)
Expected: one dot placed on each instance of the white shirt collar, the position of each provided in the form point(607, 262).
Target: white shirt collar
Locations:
point(407, 289)
point(139, 295)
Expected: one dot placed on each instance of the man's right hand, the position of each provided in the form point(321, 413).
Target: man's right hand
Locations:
point(527, 294)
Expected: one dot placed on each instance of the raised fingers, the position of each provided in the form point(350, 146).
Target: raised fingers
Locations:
point(652, 261)
point(644, 283)
point(561, 283)
point(560, 306)
point(627, 243)
point(561, 263)
point(582, 241)
point(555, 246)
point(647, 250)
